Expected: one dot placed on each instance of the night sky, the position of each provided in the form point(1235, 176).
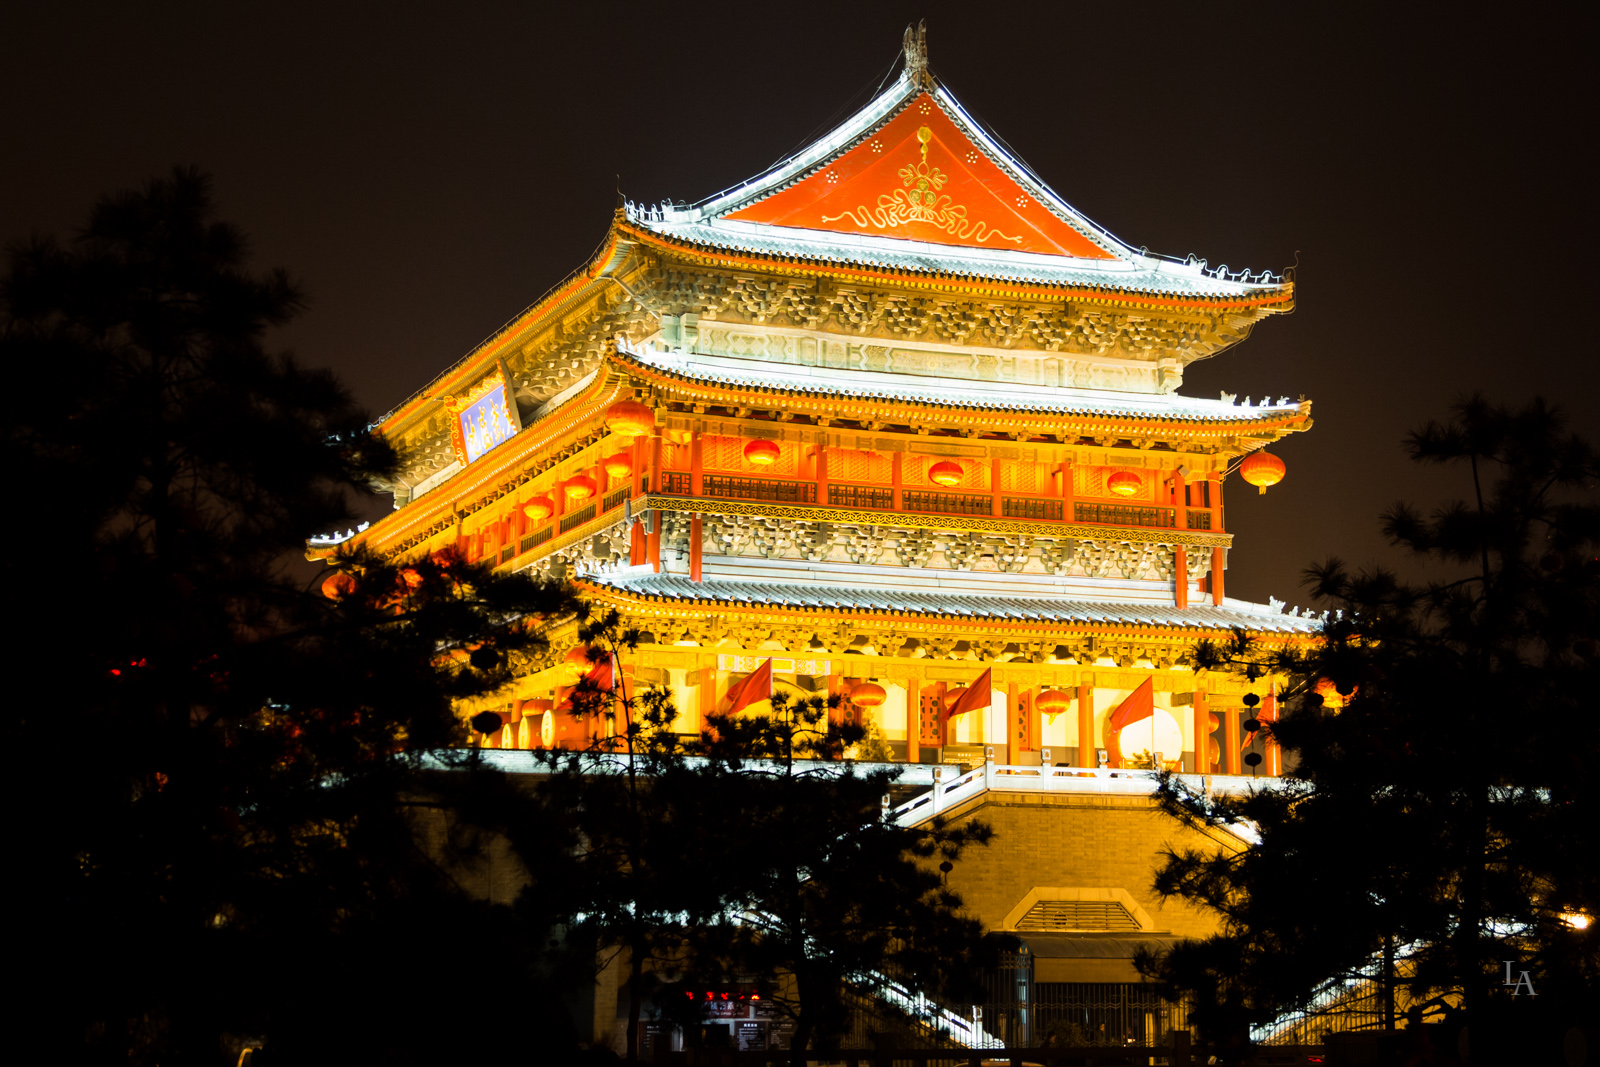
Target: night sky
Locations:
point(427, 172)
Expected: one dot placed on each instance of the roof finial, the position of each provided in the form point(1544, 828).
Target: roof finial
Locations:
point(916, 46)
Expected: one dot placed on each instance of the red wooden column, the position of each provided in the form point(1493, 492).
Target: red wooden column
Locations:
point(658, 478)
point(1272, 763)
point(638, 468)
point(1086, 744)
point(1218, 557)
point(994, 485)
point(822, 469)
point(913, 704)
point(696, 468)
point(1200, 716)
point(1230, 741)
point(696, 548)
point(896, 478)
point(1067, 510)
point(1180, 577)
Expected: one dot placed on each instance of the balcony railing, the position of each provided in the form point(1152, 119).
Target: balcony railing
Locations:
point(948, 503)
point(1024, 507)
point(1199, 520)
point(615, 498)
point(770, 489)
point(861, 496)
point(535, 539)
point(1124, 515)
point(675, 483)
point(577, 518)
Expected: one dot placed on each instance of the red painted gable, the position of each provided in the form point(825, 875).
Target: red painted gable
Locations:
point(920, 178)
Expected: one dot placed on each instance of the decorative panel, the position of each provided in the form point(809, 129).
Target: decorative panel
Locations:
point(854, 465)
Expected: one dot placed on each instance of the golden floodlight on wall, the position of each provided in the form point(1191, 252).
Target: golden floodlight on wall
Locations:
point(761, 453)
point(1124, 483)
point(629, 418)
point(945, 472)
point(539, 508)
point(1262, 469)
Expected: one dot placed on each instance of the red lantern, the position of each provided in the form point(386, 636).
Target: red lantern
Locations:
point(1124, 483)
point(761, 453)
point(945, 472)
point(1262, 469)
point(1331, 697)
point(1052, 702)
point(867, 695)
point(539, 508)
point(338, 584)
point(629, 418)
point(619, 465)
point(581, 487)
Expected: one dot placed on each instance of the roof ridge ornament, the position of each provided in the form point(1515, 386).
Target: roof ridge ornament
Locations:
point(916, 47)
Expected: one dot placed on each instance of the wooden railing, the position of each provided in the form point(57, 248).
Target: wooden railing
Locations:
point(1031, 507)
point(772, 489)
point(921, 500)
point(535, 539)
point(861, 496)
point(1125, 515)
point(576, 518)
point(924, 501)
point(615, 498)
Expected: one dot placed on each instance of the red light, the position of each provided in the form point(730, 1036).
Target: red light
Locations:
point(115, 671)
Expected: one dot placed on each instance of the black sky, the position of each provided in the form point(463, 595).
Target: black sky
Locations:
point(428, 171)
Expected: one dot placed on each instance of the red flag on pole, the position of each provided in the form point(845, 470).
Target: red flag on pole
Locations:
point(1140, 704)
point(757, 686)
point(973, 698)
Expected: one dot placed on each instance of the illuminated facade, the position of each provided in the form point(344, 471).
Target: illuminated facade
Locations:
point(896, 416)
point(892, 412)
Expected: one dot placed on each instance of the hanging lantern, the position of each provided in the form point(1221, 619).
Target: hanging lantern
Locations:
point(629, 418)
point(539, 508)
point(1331, 697)
point(581, 487)
point(1124, 483)
point(867, 695)
point(1052, 702)
point(619, 465)
point(761, 453)
point(487, 722)
point(1262, 469)
point(576, 664)
point(945, 472)
point(338, 584)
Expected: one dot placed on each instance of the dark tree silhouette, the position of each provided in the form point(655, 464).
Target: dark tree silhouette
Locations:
point(220, 776)
point(753, 853)
point(1446, 818)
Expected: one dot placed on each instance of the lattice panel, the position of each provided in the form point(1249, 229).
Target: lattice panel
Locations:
point(1021, 476)
point(854, 465)
point(674, 457)
point(1077, 915)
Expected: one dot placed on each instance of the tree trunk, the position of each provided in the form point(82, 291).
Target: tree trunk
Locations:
point(635, 983)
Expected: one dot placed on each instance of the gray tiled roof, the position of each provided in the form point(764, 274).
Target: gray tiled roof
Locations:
point(956, 393)
point(1019, 609)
